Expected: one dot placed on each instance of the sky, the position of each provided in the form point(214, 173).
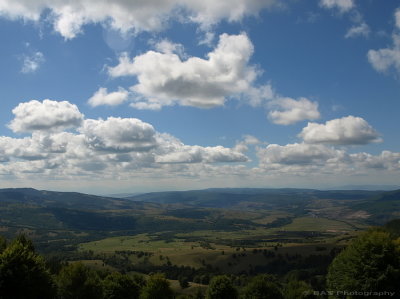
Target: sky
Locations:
point(134, 96)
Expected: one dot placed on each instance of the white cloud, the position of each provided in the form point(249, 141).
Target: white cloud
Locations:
point(243, 145)
point(167, 47)
point(45, 116)
point(297, 153)
point(386, 160)
point(345, 131)
point(68, 17)
point(31, 63)
point(286, 111)
point(119, 134)
point(319, 161)
point(342, 5)
point(145, 105)
point(102, 97)
point(172, 150)
point(132, 151)
point(397, 18)
point(198, 154)
point(358, 30)
point(386, 58)
point(164, 79)
point(115, 148)
point(207, 39)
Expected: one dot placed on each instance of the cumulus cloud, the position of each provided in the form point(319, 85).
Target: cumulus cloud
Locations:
point(68, 17)
point(397, 18)
point(386, 58)
point(286, 111)
point(342, 5)
point(361, 29)
point(386, 160)
point(103, 97)
point(119, 134)
point(130, 149)
point(167, 47)
point(197, 154)
point(297, 153)
point(172, 151)
point(243, 145)
point(301, 159)
point(31, 63)
point(342, 131)
point(164, 79)
point(99, 149)
point(45, 116)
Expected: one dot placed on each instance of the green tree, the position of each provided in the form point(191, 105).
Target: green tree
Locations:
point(76, 281)
point(297, 289)
point(157, 287)
point(120, 286)
point(370, 263)
point(23, 272)
point(183, 282)
point(262, 287)
point(221, 287)
point(3, 244)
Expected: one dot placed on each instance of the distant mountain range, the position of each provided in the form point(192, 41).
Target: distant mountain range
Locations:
point(68, 217)
point(367, 187)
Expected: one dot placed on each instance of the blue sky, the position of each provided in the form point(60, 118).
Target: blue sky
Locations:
point(178, 94)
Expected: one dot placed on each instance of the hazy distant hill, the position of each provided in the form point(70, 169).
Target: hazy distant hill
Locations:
point(72, 200)
point(382, 207)
point(368, 187)
point(229, 197)
point(68, 217)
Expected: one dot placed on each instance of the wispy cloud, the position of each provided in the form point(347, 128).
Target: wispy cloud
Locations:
point(31, 63)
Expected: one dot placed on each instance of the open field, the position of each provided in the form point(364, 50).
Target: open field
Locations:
point(212, 231)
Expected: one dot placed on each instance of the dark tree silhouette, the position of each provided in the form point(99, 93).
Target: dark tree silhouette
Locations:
point(23, 272)
point(76, 281)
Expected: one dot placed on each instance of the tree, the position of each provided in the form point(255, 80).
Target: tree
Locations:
point(221, 287)
point(262, 287)
point(157, 287)
point(76, 281)
point(3, 244)
point(117, 285)
point(370, 263)
point(183, 282)
point(297, 289)
point(23, 272)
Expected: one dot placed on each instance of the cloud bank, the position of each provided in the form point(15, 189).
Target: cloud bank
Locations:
point(68, 17)
point(129, 149)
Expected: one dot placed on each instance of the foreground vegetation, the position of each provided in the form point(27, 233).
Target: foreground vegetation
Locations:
point(222, 243)
point(369, 265)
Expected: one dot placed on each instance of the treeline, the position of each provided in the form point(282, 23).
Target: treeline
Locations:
point(369, 266)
